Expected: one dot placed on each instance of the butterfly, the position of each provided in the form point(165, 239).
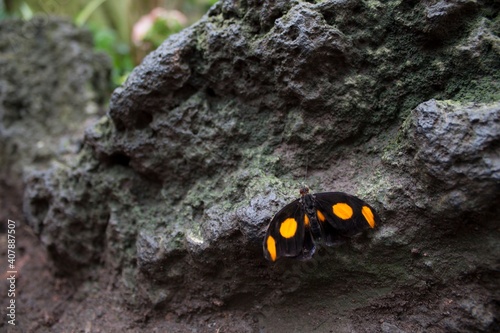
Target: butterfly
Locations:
point(328, 217)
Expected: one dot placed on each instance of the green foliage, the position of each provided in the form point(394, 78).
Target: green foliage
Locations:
point(107, 40)
point(3, 12)
point(87, 11)
point(111, 23)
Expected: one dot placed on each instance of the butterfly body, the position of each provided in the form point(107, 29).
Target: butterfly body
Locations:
point(308, 202)
point(326, 217)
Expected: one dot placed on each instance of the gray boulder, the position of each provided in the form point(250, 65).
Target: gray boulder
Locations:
point(395, 102)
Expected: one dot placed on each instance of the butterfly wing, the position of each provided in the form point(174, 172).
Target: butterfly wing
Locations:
point(341, 214)
point(288, 235)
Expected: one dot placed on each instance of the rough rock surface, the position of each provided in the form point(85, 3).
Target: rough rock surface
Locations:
point(396, 102)
point(51, 82)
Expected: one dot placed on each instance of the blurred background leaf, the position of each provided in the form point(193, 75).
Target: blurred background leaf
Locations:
point(127, 30)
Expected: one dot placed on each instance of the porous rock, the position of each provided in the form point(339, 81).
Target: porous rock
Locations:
point(457, 149)
point(52, 82)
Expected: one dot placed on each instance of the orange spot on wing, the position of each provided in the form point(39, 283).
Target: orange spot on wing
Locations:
point(342, 210)
point(368, 214)
point(288, 228)
point(321, 217)
point(306, 220)
point(271, 247)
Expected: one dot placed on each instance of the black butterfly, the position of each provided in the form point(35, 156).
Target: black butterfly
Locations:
point(327, 216)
